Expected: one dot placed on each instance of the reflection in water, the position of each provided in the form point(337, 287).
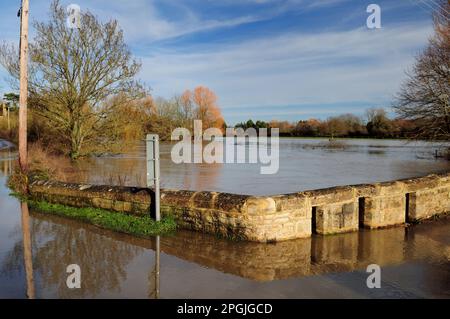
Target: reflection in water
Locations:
point(58, 242)
point(304, 164)
point(27, 253)
point(103, 261)
point(154, 274)
point(154, 293)
point(107, 259)
point(35, 250)
point(6, 163)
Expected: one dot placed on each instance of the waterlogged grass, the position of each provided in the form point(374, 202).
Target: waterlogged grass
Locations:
point(143, 226)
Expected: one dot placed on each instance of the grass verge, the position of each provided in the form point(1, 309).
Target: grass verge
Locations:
point(143, 226)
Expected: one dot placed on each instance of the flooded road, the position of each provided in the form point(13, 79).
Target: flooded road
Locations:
point(304, 164)
point(35, 250)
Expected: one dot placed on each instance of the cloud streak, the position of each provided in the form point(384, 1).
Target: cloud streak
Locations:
point(344, 66)
point(262, 54)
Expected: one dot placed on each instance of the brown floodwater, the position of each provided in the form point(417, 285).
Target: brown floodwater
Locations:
point(36, 248)
point(304, 164)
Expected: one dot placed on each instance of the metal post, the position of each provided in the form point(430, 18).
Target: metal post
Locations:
point(152, 142)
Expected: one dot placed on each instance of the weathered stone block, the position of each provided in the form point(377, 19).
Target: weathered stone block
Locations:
point(382, 211)
point(127, 207)
point(118, 206)
point(260, 206)
point(337, 218)
point(429, 202)
point(331, 195)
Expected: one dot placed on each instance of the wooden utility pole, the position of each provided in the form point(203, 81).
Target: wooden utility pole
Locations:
point(23, 86)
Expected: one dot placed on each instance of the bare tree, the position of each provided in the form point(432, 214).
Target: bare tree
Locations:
point(378, 123)
point(73, 72)
point(424, 97)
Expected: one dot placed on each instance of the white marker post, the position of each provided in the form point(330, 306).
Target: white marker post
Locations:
point(152, 142)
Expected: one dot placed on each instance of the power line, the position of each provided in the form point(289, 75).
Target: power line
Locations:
point(439, 7)
point(428, 5)
point(420, 6)
point(434, 9)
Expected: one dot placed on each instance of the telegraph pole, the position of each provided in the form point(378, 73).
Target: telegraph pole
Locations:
point(23, 85)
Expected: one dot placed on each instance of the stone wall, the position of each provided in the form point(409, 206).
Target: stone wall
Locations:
point(269, 218)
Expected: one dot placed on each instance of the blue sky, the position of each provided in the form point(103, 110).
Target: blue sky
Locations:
point(265, 59)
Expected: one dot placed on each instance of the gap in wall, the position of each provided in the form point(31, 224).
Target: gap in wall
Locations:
point(361, 211)
point(314, 220)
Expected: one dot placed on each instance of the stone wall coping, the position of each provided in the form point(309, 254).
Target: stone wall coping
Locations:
point(239, 203)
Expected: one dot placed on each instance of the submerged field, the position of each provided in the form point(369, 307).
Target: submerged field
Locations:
point(414, 260)
point(303, 164)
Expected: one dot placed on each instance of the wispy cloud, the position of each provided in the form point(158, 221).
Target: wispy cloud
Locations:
point(351, 65)
point(286, 57)
point(142, 20)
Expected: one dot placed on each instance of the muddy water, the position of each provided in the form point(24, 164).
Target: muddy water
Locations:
point(304, 164)
point(35, 250)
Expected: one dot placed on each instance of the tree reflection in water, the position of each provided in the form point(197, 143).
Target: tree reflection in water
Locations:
point(20, 258)
point(57, 243)
point(107, 257)
point(102, 260)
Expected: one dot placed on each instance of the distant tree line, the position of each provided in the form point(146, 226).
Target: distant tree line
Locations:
point(251, 124)
point(375, 124)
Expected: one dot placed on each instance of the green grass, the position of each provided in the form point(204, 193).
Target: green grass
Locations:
point(143, 226)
